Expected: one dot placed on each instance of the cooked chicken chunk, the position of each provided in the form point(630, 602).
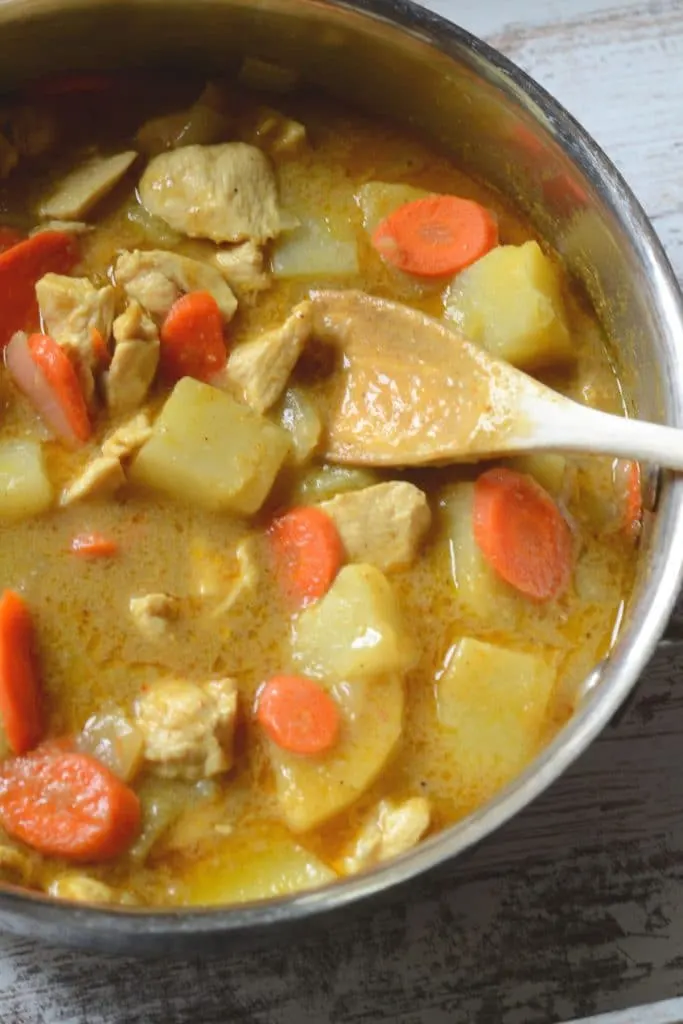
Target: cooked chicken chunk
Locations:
point(188, 727)
point(125, 440)
point(156, 278)
point(226, 193)
point(242, 267)
point(8, 157)
point(102, 476)
point(153, 613)
point(78, 192)
point(391, 830)
point(262, 367)
point(383, 525)
point(82, 889)
point(279, 135)
point(135, 360)
point(72, 310)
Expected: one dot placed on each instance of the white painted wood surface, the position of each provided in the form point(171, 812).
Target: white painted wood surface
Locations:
point(618, 67)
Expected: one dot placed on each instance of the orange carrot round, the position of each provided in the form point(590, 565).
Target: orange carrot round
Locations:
point(627, 478)
point(191, 336)
point(308, 552)
point(94, 545)
point(61, 375)
point(20, 267)
point(436, 236)
point(20, 691)
point(298, 715)
point(66, 804)
point(522, 534)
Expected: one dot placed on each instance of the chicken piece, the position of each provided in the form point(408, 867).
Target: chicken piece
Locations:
point(101, 478)
point(9, 157)
point(391, 830)
point(129, 437)
point(78, 192)
point(70, 227)
point(226, 193)
point(153, 613)
point(383, 525)
point(33, 131)
point(279, 135)
point(135, 360)
point(188, 727)
point(81, 889)
point(262, 367)
point(156, 278)
point(72, 310)
point(242, 267)
point(15, 866)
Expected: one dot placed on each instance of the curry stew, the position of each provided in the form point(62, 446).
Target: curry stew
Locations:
point(228, 669)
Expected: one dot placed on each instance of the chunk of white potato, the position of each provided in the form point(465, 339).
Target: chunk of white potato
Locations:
point(81, 889)
point(312, 790)
point(315, 248)
point(547, 469)
point(299, 416)
point(377, 199)
point(209, 450)
point(78, 192)
point(355, 630)
point(480, 590)
point(257, 867)
point(510, 301)
point(494, 701)
point(25, 489)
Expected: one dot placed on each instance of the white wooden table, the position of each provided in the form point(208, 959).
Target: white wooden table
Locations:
point(576, 908)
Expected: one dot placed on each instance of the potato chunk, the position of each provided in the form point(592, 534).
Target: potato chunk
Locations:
point(354, 631)
point(510, 302)
point(25, 489)
point(210, 450)
point(312, 790)
point(495, 702)
point(378, 199)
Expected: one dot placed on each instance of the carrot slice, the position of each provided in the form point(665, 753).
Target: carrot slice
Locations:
point(20, 267)
point(308, 552)
point(100, 347)
point(298, 715)
point(435, 236)
point(94, 545)
point(628, 480)
point(191, 338)
point(67, 804)
point(20, 693)
point(9, 237)
point(522, 534)
point(60, 374)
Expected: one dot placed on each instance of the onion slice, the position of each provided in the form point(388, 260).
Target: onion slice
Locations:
point(32, 382)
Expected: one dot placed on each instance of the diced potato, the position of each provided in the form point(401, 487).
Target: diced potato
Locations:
point(257, 867)
point(312, 790)
point(510, 302)
point(494, 701)
point(324, 482)
point(354, 631)
point(547, 469)
point(300, 418)
point(210, 450)
point(25, 489)
point(377, 199)
point(315, 248)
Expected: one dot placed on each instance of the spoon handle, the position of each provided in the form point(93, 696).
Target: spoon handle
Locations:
point(574, 428)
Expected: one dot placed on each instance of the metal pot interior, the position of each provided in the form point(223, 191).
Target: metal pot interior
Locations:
point(399, 61)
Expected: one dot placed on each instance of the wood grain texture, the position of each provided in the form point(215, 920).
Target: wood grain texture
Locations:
point(576, 907)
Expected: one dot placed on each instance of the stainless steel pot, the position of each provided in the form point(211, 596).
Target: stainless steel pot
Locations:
point(399, 60)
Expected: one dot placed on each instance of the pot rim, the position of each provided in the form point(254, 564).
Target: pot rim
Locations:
point(22, 910)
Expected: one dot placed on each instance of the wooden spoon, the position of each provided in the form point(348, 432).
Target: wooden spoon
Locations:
point(410, 391)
